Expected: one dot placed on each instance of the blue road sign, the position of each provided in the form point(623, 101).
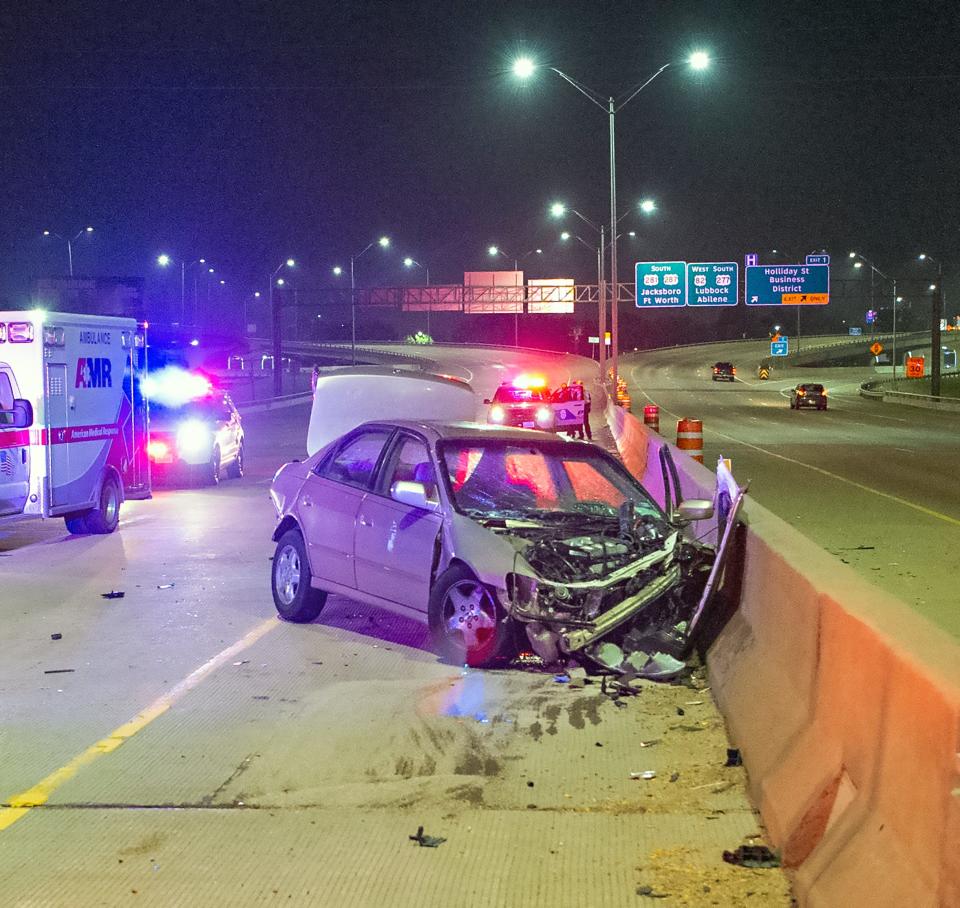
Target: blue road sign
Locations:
point(712, 284)
point(822, 259)
point(661, 284)
point(855, 332)
point(787, 285)
point(778, 348)
point(750, 259)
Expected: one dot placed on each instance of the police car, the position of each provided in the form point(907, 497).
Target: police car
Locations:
point(524, 403)
point(195, 430)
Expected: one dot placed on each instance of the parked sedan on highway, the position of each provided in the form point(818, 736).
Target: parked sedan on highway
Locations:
point(482, 530)
point(808, 395)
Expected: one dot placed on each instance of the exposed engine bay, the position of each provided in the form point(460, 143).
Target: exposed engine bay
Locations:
point(615, 588)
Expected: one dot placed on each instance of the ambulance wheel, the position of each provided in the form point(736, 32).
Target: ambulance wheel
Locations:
point(76, 524)
point(105, 516)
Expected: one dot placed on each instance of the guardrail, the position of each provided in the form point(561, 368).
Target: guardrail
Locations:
point(843, 701)
point(876, 389)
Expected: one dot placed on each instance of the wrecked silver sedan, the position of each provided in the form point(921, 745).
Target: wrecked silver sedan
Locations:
point(484, 531)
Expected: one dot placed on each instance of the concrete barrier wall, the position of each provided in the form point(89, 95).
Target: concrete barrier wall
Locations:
point(845, 705)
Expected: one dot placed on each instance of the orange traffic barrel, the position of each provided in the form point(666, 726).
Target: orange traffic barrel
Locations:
point(651, 417)
point(690, 437)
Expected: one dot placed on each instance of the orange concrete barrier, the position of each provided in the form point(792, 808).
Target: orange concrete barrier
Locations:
point(690, 438)
point(651, 417)
point(845, 704)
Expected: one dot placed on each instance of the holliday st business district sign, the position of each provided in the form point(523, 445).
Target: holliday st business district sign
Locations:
point(662, 285)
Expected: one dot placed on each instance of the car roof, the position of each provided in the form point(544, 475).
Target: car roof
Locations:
point(810, 384)
point(465, 430)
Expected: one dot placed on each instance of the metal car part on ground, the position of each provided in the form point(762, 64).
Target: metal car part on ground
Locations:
point(485, 531)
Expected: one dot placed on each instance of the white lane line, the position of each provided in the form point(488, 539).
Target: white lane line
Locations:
point(857, 485)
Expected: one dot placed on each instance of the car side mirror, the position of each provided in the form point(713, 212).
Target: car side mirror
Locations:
point(486, 400)
point(694, 509)
point(20, 417)
point(413, 494)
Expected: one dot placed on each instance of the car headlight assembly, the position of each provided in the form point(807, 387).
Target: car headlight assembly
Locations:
point(194, 438)
point(497, 414)
point(544, 416)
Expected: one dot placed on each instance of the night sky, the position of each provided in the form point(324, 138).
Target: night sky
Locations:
point(247, 132)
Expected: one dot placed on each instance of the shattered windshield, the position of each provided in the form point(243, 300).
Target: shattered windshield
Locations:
point(539, 481)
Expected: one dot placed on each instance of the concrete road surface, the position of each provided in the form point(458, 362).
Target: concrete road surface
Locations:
point(876, 484)
point(181, 746)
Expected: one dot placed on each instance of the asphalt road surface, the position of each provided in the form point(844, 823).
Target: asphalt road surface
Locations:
point(181, 746)
point(875, 484)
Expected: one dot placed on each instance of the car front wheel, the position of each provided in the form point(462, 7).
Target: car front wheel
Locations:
point(467, 624)
point(295, 599)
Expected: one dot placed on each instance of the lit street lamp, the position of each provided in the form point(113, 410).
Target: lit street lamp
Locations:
point(164, 261)
point(383, 243)
point(69, 243)
point(524, 68)
point(935, 349)
point(495, 251)
point(861, 260)
point(277, 325)
point(409, 262)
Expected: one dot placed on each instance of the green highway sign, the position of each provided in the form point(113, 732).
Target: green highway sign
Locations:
point(661, 285)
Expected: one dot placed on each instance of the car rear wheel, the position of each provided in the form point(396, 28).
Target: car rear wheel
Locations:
point(467, 624)
point(295, 599)
point(236, 468)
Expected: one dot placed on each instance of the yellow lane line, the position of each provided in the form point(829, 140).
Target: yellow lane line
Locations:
point(857, 485)
point(21, 804)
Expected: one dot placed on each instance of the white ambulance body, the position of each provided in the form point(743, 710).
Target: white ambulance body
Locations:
point(73, 426)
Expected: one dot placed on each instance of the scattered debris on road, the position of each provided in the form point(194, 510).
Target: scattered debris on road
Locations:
point(648, 892)
point(734, 757)
point(56, 636)
point(58, 671)
point(753, 856)
point(113, 594)
point(165, 586)
point(426, 841)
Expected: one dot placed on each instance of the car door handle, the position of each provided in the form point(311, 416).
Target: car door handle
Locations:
point(306, 501)
point(365, 523)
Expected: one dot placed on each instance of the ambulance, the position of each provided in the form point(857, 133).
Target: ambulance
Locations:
point(73, 420)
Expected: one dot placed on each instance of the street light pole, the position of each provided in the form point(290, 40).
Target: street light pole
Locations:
point(524, 68)
point(383, 242)
point(875, 270)
point(69, 243)
point(277, 325)
point(937, 317)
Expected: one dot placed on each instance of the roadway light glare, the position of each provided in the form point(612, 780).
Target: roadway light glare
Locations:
point(632, 233)
point(493, 250)
point(384, 241)
point(222, 282)
point(648, 206)
point(290, 263)
point(699, 59)
point(922, 255)
point(523, 67)
point(210, 271)
point(408, 262)
point(88, 229)
point(46, 233)
point(564, 235)
point(256, 294)
point(337, 271)
point(858, 264)
point(853, 255)
point(163, 260)
point(932, 287)
point(558, 209)
point(280, 281)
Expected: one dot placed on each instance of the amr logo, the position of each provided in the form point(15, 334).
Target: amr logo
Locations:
point(93, 372)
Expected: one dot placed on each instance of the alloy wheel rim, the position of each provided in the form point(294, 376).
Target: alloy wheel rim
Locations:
point(288, 574)
point(469, 614)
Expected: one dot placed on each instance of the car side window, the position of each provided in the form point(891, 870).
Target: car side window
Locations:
point(357, 459)
point(411, 463)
